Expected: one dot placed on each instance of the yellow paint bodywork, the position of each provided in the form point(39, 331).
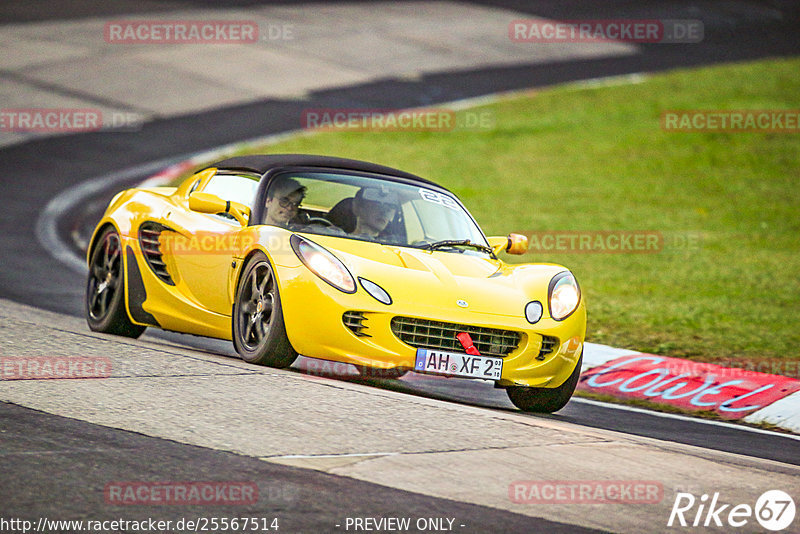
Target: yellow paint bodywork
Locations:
point(422, 284)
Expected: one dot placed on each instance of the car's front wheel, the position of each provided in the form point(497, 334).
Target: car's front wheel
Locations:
point(259, 333)
point(105, 289)
point(545, 400)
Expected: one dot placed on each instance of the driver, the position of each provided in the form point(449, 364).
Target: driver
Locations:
point(285, 196)
point(374, 208)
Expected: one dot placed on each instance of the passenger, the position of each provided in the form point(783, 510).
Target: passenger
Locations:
point(374, 208)
point(284, 198)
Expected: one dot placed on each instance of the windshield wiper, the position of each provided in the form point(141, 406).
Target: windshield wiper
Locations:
point(456, 243)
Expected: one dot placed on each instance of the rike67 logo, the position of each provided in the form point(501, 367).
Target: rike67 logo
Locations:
point(774, 510)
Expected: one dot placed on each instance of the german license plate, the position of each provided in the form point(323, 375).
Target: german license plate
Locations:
point(456, 364)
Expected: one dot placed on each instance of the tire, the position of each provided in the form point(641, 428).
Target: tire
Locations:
point(259, 332)
point(105, 289)
point(545, 400)
point(380, 372)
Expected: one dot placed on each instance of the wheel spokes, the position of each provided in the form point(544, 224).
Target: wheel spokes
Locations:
point(105, 273)
point(94, 300)
point(248, 308)
point(111, 253)
point(263, 289)
point(257, 304)
point(266, 310)
point(98, 271)
point(254, 285)
point(104, 298)
point(260, 330)
point(248, 330)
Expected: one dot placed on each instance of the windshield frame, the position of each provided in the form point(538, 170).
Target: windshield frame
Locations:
point(259, 211)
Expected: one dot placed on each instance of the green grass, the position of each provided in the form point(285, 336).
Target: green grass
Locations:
point(582, 158)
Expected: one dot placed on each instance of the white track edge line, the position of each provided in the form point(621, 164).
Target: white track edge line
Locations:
point(347, 455)
point(683, 417)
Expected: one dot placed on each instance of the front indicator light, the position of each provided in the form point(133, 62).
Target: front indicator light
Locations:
point(564, 296)
point(375, 291)
point(323, 263)
point(533, 311)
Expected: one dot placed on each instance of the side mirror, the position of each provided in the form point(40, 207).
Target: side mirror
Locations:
point(208, 203)
point(512, 244)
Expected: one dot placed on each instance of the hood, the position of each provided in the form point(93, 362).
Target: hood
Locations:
point(440, 280)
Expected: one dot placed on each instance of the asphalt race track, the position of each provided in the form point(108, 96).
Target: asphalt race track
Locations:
point(66, 447)
point(59, 456)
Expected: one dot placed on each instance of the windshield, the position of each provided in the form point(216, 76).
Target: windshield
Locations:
point(236, 187)
point(371, 209)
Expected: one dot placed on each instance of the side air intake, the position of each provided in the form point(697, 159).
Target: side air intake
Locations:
point(149, 234)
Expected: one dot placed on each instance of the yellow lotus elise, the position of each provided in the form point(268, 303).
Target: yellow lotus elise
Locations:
point(340, 260)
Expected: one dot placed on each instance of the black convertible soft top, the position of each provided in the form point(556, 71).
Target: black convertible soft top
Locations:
point(265, 162)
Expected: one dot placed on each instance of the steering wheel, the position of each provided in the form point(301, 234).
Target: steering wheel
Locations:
point(319, 220)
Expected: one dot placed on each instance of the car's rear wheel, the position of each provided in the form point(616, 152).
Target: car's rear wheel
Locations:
point(545, 400)
point(259, 332)
point(105, 289)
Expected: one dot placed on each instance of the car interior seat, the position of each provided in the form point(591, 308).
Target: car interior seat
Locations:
point(341, 215)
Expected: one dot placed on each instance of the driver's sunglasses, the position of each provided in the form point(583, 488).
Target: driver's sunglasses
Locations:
point(286, 203)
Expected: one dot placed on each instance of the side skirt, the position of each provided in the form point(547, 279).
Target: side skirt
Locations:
point(136, 292)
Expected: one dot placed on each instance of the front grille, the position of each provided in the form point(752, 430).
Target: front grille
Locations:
point(354, 320)
point(149, 233)
point(548, 345)
point(423, 333)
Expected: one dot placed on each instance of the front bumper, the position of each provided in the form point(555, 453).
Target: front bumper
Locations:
point(313, 313)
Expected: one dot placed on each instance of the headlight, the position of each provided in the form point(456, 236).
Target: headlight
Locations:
point(563, 295)
point(323, 264)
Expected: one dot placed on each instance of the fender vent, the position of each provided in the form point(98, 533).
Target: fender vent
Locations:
point(549, 344)
point(354, 320)
point(149, 233)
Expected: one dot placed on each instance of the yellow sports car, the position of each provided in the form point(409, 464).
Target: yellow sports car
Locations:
point(340, 260)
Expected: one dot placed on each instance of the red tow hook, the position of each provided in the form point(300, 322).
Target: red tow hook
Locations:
point(466, 342)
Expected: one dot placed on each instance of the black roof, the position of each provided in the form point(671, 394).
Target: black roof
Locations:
point(264, 162)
